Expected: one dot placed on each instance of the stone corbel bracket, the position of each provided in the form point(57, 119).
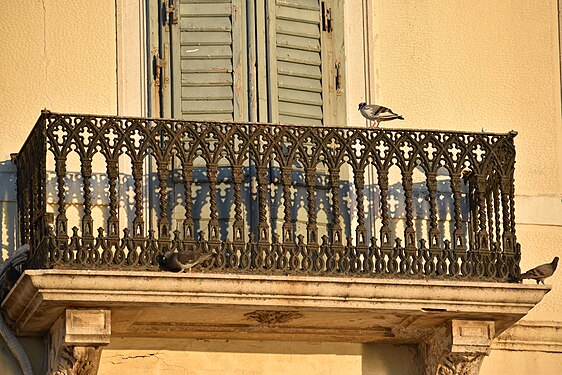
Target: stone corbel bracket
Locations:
point(458, 348)
point(76, 341)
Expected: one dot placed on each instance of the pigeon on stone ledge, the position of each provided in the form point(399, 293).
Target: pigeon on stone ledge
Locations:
point(378, 113)
point(541, 272)
point(180, 262)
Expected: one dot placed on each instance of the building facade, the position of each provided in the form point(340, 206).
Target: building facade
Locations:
point(483, 69)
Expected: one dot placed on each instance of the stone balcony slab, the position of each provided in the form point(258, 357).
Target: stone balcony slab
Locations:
point(263, 307)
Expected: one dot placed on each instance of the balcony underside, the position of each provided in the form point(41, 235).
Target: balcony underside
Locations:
point(264, 307)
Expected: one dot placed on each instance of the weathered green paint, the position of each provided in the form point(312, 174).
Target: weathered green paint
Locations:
point(271, 62)
point(298, 54)
point(207, 47)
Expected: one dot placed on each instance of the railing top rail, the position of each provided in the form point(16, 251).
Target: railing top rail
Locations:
point(47, 113)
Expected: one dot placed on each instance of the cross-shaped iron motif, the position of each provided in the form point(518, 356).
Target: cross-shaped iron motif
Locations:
point(430, 150)
point(137, 137)
point(454, 151)
point(382, 148)
point(333, 145)
point(111, 135)
point(479, 152)
point(406, 149)
point(86, 135)
point(60, 133)
point(358, 146)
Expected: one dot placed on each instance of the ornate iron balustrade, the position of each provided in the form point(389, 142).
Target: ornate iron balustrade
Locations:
point(257, 171)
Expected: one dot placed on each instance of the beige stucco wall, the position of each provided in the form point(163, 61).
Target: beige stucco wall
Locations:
point(254, 358)
point(493, 65)
point(520, 362)
point(57, 55)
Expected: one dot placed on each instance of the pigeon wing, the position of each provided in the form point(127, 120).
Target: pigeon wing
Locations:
point(376, 110)
point(541, 271)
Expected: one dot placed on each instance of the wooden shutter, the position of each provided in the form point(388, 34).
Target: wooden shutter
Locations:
point(290, 75)
point(296, 62)
point(211, 60)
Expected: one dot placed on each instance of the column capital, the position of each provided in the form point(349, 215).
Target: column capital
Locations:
point(458, 348)
point(76, 340)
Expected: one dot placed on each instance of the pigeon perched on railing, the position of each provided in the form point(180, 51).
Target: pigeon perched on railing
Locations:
point(378, 113)
point(541, 272)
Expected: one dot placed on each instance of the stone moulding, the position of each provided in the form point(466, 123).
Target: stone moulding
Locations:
point(271, 317)
point(537, 336)
point(408, 308)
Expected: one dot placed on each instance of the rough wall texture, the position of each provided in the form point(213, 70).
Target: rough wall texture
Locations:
point(253, 358)
point(56, 55)
point(525, 363)
point(493, 65)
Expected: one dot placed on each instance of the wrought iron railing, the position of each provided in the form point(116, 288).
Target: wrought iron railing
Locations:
point(268, 198)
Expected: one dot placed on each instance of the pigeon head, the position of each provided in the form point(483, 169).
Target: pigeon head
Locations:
point(361, 105)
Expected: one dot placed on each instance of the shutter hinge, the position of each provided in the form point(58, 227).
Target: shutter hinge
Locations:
point(326, 17)
point(157, 65)
point(339, 86)
point(169, 16)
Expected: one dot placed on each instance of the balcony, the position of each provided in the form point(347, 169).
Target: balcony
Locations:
point(394, 203)
point(311, 233)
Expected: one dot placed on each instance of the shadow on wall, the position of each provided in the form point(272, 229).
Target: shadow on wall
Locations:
point(8, 208)
point(389, 359)
point(33, 347)
point(225, 199)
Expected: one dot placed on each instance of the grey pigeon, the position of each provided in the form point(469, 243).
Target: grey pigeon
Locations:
point(378, 113)
point(179, 262)
point(541, 272)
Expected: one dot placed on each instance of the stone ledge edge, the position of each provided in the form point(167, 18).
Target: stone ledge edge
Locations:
point(535, 336)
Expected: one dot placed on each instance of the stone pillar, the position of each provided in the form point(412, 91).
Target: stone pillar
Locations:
point(76, 340)
point(458, 348)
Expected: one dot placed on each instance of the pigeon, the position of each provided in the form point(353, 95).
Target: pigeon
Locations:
point(541, 272)
point(179, 262)
point(378, 113)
